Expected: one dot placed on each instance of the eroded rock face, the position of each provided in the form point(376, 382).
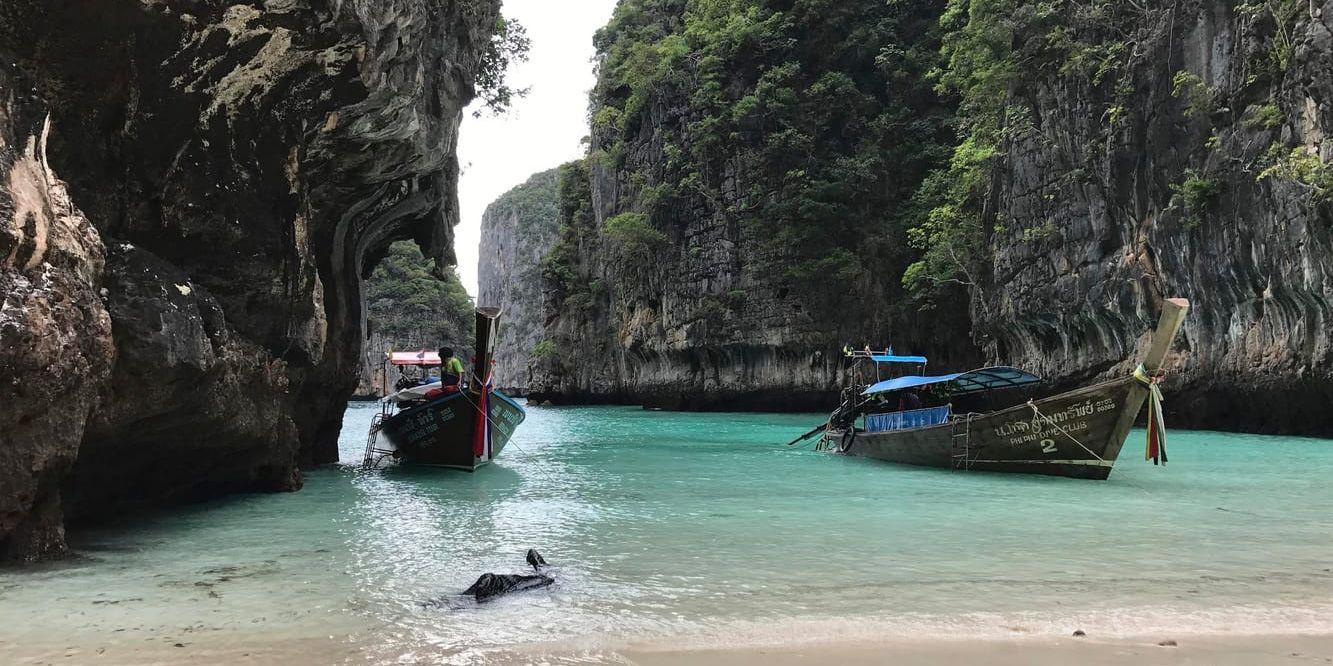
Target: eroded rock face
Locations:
point(1098, 228)
point(1114, 191)
point(517, 231)
point(55, 335)
point(245, 164)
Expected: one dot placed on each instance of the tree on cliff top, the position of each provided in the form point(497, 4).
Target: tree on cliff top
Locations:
point(412, 308)
point(509, 44)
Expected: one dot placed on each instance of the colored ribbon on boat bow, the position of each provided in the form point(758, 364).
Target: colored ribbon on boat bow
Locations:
point(1156, 446)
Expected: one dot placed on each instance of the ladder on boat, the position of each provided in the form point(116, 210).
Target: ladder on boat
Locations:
point(375, 454)
point(962, 442)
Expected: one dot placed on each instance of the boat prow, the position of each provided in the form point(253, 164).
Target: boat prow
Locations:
point(1076, 434)
point(458, 427)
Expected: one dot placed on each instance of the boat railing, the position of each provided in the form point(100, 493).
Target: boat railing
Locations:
point(913, 418)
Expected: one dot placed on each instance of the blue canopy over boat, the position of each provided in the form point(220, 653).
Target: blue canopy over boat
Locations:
point(972, 381)
point(889, 358)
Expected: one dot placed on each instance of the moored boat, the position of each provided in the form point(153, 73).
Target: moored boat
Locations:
point(459, 427)
point(1077, 433)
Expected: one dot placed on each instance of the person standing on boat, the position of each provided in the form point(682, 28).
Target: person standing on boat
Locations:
point(451, 369)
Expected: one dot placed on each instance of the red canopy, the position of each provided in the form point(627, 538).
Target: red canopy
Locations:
point(422, 357)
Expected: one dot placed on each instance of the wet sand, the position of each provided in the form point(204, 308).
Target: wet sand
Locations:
point(1296, 650)
point(1086, 651)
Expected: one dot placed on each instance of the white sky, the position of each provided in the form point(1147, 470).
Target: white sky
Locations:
point(540, 131)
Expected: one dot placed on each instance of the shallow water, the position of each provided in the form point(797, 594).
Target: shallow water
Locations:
point(704, 530)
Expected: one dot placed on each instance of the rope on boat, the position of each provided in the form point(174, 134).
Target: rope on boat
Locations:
point(1038, 412)
point(511, 441)
point(1074, 439)
point(1156, 444)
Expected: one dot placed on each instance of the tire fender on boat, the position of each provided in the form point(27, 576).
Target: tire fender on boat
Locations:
point(848, 436)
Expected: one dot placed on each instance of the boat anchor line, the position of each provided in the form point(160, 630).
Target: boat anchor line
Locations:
point(1101, 462)
point(511, 442)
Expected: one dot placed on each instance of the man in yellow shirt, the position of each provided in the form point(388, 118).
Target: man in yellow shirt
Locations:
point(451, 369)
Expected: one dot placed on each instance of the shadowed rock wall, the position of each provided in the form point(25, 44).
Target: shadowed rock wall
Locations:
point(244, 165)
point(55, 335)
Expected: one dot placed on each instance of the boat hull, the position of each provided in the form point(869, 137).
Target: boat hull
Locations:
point(1076, 434)
point(441, 432)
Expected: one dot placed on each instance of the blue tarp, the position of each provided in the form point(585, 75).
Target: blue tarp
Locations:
point(916, 418)
point(984, 379)
point(888, 358)
point(908, 381)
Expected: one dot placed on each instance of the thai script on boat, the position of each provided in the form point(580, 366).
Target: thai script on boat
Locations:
point(1026, 430)
point(1077, 426)
point(421, 428)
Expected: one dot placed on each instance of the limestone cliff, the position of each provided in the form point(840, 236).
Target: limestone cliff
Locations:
point(1197, 166)
point(739, 218)
point(1137, 151)
point(244, 166)
point(517, 231)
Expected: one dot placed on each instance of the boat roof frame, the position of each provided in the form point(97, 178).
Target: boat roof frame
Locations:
point(991, 378)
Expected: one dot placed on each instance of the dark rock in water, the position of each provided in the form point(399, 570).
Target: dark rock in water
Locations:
point(489, 586)
point(246, 164)
point(178, 361)
point(1079, 632)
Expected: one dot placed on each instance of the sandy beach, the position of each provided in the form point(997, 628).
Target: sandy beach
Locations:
point(1144, 651)
point(1291, 650)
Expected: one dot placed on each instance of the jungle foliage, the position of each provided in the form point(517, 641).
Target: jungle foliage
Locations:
point(811, 122)
point(860, 138)
point(412, 308)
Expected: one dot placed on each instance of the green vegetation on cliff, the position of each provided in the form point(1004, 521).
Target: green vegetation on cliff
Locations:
point(509, 44)
point(810, 122)
point(409, 306)
point(1000, 52)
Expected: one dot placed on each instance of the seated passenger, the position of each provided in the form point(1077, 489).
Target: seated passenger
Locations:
point(451, 369)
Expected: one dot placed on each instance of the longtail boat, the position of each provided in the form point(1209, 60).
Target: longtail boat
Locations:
point(1076, 434)
point(459, 427)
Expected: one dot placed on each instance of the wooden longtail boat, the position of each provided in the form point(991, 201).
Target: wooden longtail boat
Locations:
point(1076, 434)
point(456, 427)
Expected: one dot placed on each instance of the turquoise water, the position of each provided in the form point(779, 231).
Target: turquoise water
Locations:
point(705, 530)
